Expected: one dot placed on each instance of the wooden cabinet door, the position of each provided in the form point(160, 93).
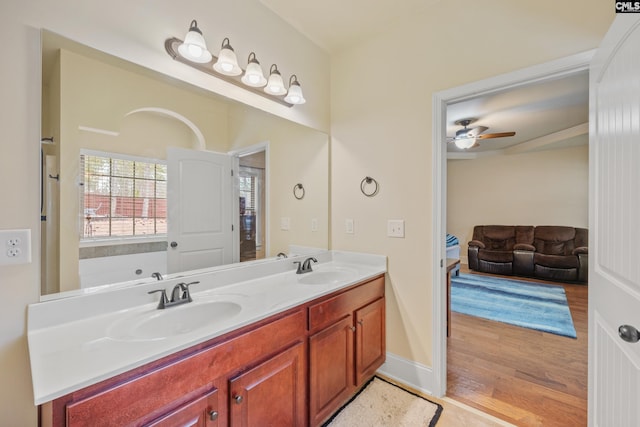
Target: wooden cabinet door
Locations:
point(201, 412)
point(331, 379)
point(370, 340)
point(271, 394)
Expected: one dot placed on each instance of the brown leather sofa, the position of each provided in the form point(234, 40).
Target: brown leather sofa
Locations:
point(547, 252)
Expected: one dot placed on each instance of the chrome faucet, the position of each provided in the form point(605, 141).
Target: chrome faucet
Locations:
point(179, 295)
point(305, 267)
point(281, 255)
point(157, 275)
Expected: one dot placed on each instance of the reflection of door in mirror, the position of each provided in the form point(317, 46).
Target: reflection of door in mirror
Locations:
point(199, 198)
point(251, 177)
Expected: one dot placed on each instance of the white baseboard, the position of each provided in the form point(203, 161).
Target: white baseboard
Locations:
point(410, 373)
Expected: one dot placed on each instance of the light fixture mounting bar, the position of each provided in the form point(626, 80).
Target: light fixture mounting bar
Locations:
point(171, 46)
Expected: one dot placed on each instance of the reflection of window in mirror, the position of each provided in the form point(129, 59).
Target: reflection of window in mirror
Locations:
point(251, 176)
point(122, 196)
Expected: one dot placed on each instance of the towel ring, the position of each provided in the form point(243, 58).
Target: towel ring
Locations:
point(298, 191)
point(366, 181)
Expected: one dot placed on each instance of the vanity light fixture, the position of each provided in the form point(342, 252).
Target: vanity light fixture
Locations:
point(275, 85)
point(227, 62)
point(253, 76)
point(194, 47)
point(193, 52)
point(294, 96)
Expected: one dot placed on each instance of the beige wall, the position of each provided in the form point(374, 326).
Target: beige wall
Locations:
point(134, 32)
point(540, 188)
point(381, 126)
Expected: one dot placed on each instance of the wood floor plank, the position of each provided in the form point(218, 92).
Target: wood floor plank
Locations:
point(526, 377)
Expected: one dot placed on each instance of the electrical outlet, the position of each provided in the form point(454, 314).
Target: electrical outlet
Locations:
point(13, 252)
point(17, 247)
point(395, 228)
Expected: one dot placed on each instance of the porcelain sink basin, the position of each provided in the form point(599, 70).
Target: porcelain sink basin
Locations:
point(328, 277)
point(173, 321)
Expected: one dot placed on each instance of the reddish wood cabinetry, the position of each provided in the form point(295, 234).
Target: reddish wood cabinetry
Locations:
point(346, 346)
point(272, 393)
point(292, 369)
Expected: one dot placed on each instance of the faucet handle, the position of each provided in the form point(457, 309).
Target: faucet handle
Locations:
point(163, 297)
point(185, 290)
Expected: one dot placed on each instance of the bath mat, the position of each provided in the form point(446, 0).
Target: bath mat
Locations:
point(382, 404)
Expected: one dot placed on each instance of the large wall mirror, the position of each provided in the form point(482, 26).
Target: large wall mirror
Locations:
point(142, 173)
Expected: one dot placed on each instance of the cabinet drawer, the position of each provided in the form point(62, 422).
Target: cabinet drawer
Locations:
point(335, 308)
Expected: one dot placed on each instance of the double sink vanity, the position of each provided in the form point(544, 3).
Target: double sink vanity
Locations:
point(258, 344)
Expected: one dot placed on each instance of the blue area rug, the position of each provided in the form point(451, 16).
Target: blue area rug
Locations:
point(526, 304)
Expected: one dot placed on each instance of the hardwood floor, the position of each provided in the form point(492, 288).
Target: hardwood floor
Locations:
point(522, 376)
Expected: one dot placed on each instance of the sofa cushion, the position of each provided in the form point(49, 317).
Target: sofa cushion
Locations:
point(555, 261)
point(554, 240)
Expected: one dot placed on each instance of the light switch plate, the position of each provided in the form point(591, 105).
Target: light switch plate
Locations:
point(285, 223)
point(395, 228)
point(348, 226)
point(314, 224)
point(15, 247)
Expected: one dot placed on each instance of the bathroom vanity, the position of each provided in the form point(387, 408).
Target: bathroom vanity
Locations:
point(298, 348)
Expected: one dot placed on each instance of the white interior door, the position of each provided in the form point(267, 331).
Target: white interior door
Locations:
point(200, 204)
point(614, 279)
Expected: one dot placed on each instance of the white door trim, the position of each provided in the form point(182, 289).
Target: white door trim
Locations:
point(538, 73)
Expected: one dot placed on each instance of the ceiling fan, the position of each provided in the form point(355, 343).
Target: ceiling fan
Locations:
point(468, 137)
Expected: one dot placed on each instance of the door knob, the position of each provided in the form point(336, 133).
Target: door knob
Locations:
point(629, 333)
point(174, 244)
point(238, 399)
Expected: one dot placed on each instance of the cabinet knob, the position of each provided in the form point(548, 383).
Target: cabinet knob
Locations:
point(213, 415)
point(360, 321)
point(353, 328)
point(238, 399)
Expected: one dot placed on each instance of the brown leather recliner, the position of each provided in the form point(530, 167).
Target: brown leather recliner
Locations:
point(492, 249)
point(561, 253)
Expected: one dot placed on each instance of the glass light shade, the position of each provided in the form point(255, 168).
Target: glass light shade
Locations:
point(275, 85)
point(227, 62)
point(294, 96)
point(464, 143)
point(253, 75)
point(194, 47)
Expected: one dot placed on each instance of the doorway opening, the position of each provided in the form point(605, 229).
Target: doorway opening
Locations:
point(252, 197)
point(545, 72)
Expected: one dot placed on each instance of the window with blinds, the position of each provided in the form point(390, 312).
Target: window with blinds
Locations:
point(122, 197)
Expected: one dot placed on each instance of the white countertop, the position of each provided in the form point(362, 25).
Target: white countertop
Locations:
point(81, 340)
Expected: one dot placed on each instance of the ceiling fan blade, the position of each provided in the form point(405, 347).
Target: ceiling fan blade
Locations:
point(496, 135)
point(476, 131)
